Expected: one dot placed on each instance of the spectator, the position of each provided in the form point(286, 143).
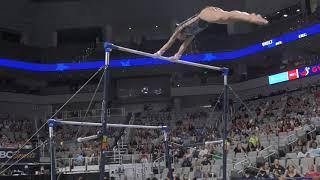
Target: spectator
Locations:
point(304, 153)
point(311, 172)
point(186, 162)
point(264, 171)
point(251, 147)
point(299, 147)
point(197, 173)
point(79, 159)
point(259, 147)
point(203, 152)
point(176, 177)
point(239, 149)
point(253, 140)
point(144, 158)
point(277, 169)
point(247, 175)
point(206, 161)
point(291, 172)
point(313, 145)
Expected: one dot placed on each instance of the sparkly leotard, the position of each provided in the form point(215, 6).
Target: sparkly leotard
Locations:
point(194, 28)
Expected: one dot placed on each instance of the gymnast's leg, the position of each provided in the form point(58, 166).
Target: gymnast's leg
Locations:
point(176, 35)
point(165, 47)
point(217, 15)
point(183, 48)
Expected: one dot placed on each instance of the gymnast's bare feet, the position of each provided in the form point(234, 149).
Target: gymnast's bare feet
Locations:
point(258, 19)
point(175, 57)
point(159, 53)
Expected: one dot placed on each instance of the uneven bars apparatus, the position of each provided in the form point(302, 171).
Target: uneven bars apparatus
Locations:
point(225, 71)
point(108, 48)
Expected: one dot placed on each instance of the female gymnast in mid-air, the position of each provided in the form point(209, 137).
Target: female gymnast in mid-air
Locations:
point(188, 29)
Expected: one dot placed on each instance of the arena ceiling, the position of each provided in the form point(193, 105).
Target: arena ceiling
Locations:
point(24, 12)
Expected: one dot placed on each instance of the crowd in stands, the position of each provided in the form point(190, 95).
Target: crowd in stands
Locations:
point(14, 132)
point(280, 113)
point(278, 116)
point(276, 170)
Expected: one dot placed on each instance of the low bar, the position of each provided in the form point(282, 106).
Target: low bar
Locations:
point(76, 123)
point(112, 46)
point(88, 138)
point(214, 142)
point(136, 126)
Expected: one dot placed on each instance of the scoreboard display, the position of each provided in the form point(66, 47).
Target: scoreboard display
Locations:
point(294, 74)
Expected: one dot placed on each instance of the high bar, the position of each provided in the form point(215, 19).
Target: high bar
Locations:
point(112, 46)
point(76, 123)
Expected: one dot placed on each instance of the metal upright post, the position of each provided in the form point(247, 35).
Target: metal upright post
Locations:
point(104, 116)
point(51, 124)
point(167, 152)
point(225, 121)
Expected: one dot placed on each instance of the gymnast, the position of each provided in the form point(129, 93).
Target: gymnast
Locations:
point(188, 29)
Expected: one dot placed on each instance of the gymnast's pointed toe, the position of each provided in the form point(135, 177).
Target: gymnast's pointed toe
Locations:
point(175, 57)
point(159, 53)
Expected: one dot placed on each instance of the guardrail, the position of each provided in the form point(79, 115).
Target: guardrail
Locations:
point(242, 163)
point(72, 164)
point(292, 138)
point(267, 149)
point(95, 113)
point(313, 129)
